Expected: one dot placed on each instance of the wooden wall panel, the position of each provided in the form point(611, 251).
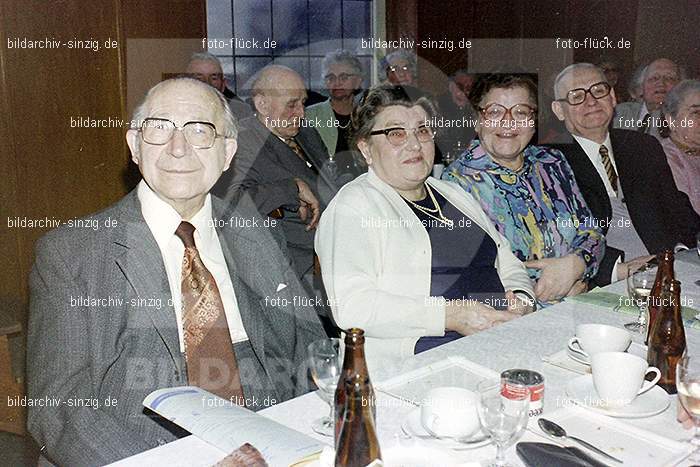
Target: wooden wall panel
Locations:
point(52, 165)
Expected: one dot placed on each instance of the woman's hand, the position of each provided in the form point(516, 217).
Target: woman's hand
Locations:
point(558, 276)
point(519, 305)
point(469, 316)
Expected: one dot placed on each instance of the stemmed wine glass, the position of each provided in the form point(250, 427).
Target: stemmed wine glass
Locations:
point(503, 418)
point(688, 385)
point(326, 362)
point(639, 285)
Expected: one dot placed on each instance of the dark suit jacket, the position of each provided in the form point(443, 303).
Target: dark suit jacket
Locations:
point(127, 346)
point(661, 215)
point(264, 168)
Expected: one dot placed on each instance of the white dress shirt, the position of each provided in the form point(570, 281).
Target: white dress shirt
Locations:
point(163, 220)
point(621, 233)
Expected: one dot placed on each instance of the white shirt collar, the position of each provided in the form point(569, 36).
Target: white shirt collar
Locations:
point(592, 149)
point(163, 219)
point(643, 111)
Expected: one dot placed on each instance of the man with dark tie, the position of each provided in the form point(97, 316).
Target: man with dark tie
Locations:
point(174, 288)
point(623, 175)
point(645, 116)
point(282, 163)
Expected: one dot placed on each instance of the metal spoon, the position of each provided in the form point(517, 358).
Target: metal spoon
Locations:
point(556, 431)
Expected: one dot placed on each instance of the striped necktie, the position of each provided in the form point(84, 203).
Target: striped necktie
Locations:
point(294, 146)
point(211, 361)
point(609, 169)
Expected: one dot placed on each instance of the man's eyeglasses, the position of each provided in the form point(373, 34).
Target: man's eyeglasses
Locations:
point(398, 136)
point(578, 95)
point(395, 68)
point(159, 131)
point(343, 77)
point(497, 112)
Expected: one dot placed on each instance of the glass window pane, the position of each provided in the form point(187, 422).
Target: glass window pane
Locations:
point(357, 21)
point(246, 67)
point(251, 21)
point(317, 83)
point(219, 27)
point(290, 27)
point(324, 26)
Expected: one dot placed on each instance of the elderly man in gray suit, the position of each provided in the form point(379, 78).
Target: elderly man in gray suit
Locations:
point(174, 288)
point(282, 163)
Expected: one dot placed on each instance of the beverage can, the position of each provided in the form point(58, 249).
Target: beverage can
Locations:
point(513, 380)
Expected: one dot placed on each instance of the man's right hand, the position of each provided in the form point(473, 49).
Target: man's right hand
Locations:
point(625, 269)
point(469, 316)
point(309, 207)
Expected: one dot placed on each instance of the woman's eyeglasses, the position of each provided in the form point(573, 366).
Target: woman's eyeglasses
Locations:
point(398, 136)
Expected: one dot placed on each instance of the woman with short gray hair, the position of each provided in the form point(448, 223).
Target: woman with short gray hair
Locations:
point(682, 142)
point(342, 75)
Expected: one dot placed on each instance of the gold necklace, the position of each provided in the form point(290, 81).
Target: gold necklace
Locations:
point(436, 209)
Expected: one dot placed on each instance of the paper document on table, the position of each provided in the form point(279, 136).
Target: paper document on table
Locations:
point(598, 297)
point(228, 426)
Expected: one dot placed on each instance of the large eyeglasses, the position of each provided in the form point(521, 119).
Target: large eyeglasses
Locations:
point(158, 131)
point(394, 68)
point(496, 112)
point(343, 77)
point(399, 136)
point(578, 95)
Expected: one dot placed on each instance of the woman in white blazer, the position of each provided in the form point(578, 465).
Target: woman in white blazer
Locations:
point(412, 260)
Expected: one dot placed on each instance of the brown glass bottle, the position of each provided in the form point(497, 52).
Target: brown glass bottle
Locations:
point(664, 274)
point(354, 366)
point(667, 339)
point(358, 445)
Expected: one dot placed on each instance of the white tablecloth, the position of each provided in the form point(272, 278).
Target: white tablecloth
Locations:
point(517, 344)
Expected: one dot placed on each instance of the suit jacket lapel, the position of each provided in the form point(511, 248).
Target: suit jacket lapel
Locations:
point(246, 300)
point(589, 180)
point(139, 258)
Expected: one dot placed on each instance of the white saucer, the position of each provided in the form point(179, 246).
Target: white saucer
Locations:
point(634, 348)
point(582, 392)
point(412, 426)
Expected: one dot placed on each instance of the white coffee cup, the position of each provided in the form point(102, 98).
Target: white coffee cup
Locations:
point(591, 339)
point(618, 377)
point(450, 412)
point(437, 170)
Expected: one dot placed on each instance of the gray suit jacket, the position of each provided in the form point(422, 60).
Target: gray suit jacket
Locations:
point(627, 118)
point(126, 344)
point(264, 168)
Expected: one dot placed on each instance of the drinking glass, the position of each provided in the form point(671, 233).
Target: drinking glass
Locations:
point(639, 285)
point(688, 385)
point(503, 418)
point(325, 363)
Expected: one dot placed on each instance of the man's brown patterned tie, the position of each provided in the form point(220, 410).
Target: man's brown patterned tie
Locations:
point(609, 169)
point(211, 361)
point(294, 146)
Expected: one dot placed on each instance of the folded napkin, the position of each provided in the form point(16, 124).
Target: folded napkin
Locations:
point(612, 301)
point(550, 455)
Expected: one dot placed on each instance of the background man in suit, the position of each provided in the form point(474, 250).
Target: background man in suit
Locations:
point(281, 163)
point(207, 68)
point(171, 289)
point(645, 116)
point(651, 214)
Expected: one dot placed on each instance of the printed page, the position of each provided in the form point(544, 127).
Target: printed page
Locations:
point(228, 426)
